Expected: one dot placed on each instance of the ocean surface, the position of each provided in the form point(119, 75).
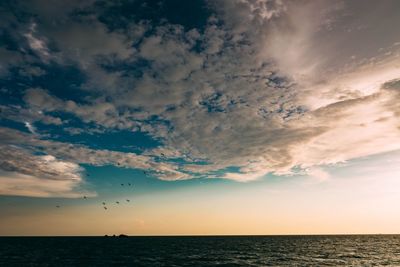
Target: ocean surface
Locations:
point(359, 250)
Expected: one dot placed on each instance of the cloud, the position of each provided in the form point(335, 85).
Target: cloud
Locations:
point(65, 34)
point(163, 152)
point(30, 127)
point(17, 184)
point(101, 112)
point(8, 59)
point(29, 116)
point(265, 87)
point(31, 71)
point(355, 128)
point(30, 145)
point(36, 44)
point(24, 174)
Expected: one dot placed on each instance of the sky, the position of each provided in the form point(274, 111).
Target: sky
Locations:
point(200, 117)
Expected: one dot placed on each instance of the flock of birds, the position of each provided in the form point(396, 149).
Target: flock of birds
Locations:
point(117, 202)
point(104, 204)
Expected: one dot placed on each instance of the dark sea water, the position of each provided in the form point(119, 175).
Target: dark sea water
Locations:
point(366, 250)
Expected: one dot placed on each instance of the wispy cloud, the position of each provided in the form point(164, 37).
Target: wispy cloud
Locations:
point(19, 149)
point(25, 174)
point(30, 127)
point(36, 43)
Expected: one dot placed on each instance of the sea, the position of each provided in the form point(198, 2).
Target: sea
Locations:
point(337, 250)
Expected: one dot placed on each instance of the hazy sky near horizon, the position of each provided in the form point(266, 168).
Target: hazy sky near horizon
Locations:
point(225, 116)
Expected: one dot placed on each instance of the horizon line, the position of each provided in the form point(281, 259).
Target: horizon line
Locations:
point(222, 235)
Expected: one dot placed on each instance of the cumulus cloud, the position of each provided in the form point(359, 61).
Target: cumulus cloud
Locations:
point(265, 87)
point(101, 112)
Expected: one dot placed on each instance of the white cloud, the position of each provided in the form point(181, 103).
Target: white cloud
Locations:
point(17, 184)
point(18, 155)
point(30, 127)
point(278, 85)
point(25, 174)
